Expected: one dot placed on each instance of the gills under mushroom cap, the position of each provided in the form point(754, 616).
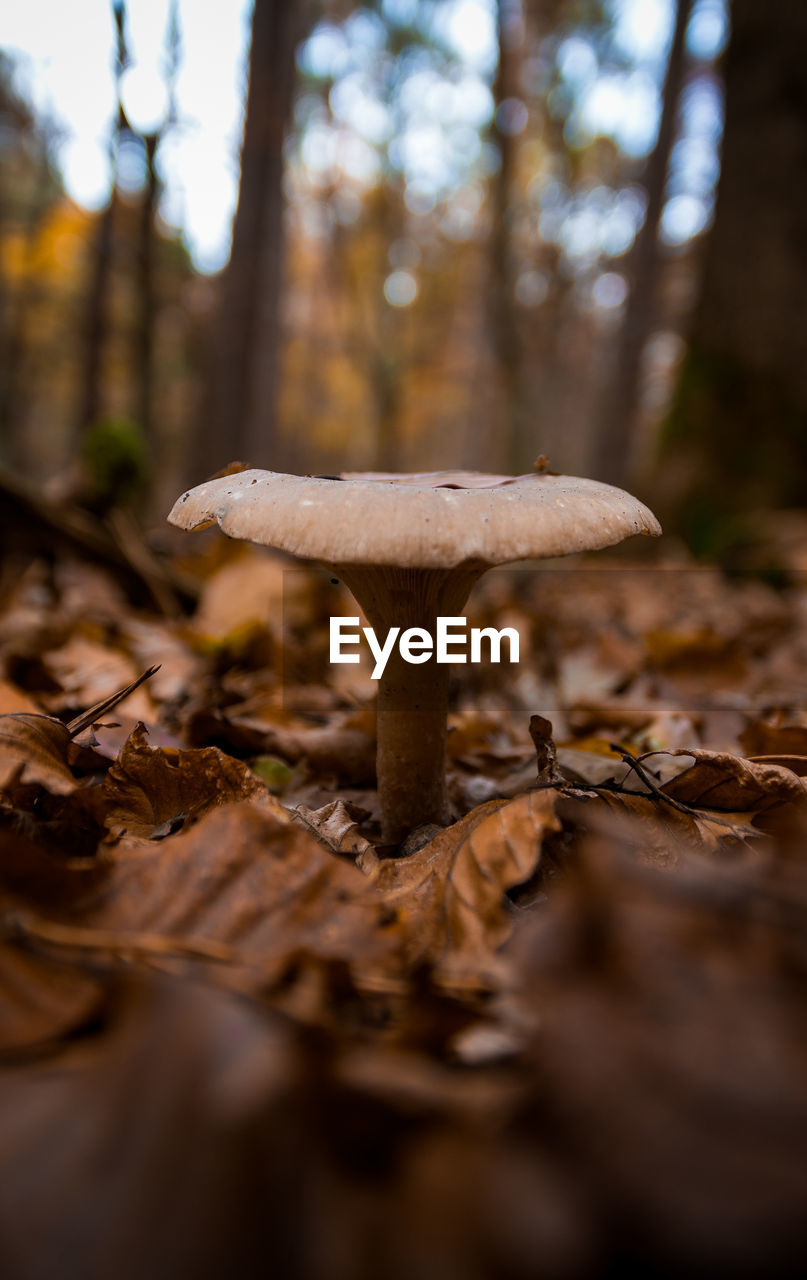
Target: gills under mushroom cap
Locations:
point(435, 521)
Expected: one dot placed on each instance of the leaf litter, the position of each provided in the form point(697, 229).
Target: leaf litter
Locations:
point(565, 1031)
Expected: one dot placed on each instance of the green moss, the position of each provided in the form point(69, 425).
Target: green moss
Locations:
point(115, 455)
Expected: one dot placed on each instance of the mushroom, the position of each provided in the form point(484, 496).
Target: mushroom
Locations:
point(409, 548)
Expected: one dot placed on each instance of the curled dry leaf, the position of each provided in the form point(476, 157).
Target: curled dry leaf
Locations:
point(449, 895)
point(337, 825)
point(34, 751)
point(721, 781)
point(149, 788)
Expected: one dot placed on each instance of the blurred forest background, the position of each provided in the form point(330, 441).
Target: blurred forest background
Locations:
point(464, 233)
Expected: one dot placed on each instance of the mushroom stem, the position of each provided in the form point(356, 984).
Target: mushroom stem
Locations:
point(412, 698)
point(410, 760)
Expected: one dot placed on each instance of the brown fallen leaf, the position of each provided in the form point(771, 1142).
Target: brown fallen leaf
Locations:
point(670, 1050)
point(160, 647)
point(718, 780)
point(449, 895)
point(762, 739)
point(343, 749)
point(148, 788)
point(586, 715)
point(337, 825)
point(34, 752)
point(657, 834)
point(247, 877)
point(41, 999)
point(13, 699)
point(483, 743)
point(796, 764)
point(90, 672)
point(186, 1087)
point(248, 590)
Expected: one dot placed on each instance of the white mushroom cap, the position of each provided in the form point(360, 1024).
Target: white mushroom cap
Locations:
point(436, 521)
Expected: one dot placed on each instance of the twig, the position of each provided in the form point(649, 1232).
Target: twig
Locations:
point(94, 713)
point(612, 787)
point(634, 763)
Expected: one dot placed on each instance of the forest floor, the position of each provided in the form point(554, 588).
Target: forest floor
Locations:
point(563, 1036)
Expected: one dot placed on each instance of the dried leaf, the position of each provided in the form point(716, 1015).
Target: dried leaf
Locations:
point(796, 764)
point(246, 592)
point(722, 781)
point(151, 1154)
point(34, 752)
point(92, 673)
point(762, 739)
point(40, 998)
point(149, 787)
point(449, 895)
point(247, 877)
point(337, 825)
point(176, 669)
point(14, 700)
point(541, 734)
point(343, 749)
point(656, 833)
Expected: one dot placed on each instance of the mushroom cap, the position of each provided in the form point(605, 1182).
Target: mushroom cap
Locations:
point(436, 521)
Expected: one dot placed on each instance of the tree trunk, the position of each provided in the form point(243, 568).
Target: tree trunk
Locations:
point(241, 419)
point(95, 321)
point(147, 311)
point(504, 329)
point(615, 445)
point(737, 433)
point(90, 403)
point(16, 312)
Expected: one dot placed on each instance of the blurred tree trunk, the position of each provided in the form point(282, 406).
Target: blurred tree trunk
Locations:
point(506, 338)
point(384, 342)
point(147, 309)
point(242, 408)
point(616, 439)
point(18, 306)
point(95, 318)
point(94, 329)
point(736, 437)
